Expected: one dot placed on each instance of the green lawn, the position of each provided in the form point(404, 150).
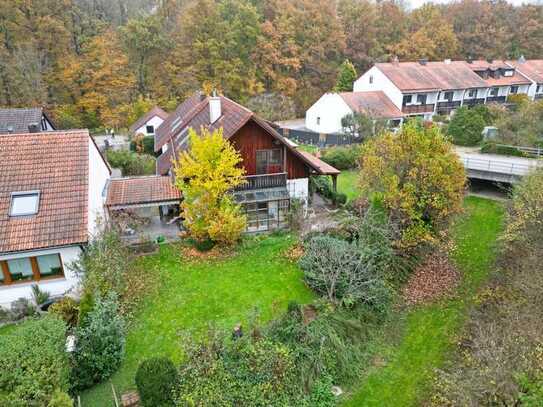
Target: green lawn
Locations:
point(428, 333)
point(195, 294)
point(347, 183)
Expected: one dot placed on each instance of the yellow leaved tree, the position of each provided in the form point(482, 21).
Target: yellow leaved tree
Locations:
point(417, 177)
point(205, 174)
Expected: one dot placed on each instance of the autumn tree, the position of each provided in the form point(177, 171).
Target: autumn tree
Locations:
point(205, 174)
point(417, 177)
point(359, 22)
point(429, 36)
point(346, 77)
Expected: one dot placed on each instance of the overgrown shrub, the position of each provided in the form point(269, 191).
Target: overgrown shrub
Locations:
point(33, 363)
point(323, 186)
point(250, 371)
point(343, 272)
point(156, 379)
point(130, 163)
point(328, 343)
point(493, 148)
point(67, 310)
point(466, 127)
point(417, 178)
point(143, 145)
point(103, 263)
point(60, 399)
point(21, 308)
point(86, 304)
point(342, 158)
point(99, 344)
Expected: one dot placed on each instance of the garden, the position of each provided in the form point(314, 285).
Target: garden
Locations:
point(372, 311)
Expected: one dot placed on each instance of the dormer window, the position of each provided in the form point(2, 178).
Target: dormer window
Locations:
point(508, 72)
point(24, 203)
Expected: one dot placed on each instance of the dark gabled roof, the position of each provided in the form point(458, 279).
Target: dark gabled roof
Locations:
point(141, 190)
point(374, 103)
point(155, 111)
point(57, 165)
point(18, 120)
point(174, 122)
point(233, 118)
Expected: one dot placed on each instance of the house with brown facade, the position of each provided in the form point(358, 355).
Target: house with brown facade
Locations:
point(276, 170)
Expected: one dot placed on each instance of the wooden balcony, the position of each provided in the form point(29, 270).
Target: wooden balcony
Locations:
point(264, 181)
point(409, 109)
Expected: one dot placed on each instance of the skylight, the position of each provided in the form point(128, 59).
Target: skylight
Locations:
point(24, 203)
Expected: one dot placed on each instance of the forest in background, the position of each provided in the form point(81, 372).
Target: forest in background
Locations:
point(103, 63)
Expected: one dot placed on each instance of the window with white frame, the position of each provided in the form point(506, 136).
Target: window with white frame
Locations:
point(150, 129)
point(539, 89)
point(508, 72)
point(472, 93)
point(513, 89)
point(407, 99)
point(24, 203)
point(494, 91)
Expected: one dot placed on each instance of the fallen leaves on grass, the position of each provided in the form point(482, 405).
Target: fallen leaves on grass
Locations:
point(435, 278)
point(293, 253)
point(192, 253)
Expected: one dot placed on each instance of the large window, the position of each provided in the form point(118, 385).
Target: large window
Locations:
point(269, 161)
point(262, 216)
point(448, 96)
point(30, 269)
point(494, 92)
point(407, 99)
point(150, 129)
point(421, 99)
point(513, 90)
point(472, 93)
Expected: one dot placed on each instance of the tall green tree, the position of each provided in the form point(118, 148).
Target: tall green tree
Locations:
point(346, 77)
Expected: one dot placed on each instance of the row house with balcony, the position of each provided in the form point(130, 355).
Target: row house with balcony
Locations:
point(276, 171)
point(426, 88)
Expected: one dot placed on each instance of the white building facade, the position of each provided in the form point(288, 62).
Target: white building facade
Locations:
point(50, 208)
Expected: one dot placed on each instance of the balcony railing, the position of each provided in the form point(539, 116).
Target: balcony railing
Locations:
point(418, 109)
point(447, 107)
point(473, 102)
point(496, 99)
point(264, 181)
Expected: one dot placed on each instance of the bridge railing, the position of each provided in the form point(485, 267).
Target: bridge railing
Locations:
point(500, 167)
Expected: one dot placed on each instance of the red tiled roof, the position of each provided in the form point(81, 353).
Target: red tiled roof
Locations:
point(155, 111)
point(141, 190)
point(320, 166)
point(373, 103)
point(531, 68)
point(57, 165)
point(413, 76)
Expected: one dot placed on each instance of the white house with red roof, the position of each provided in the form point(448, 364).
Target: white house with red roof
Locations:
point(398, 90)
point(326, 114)
point(426, 88)
point(148, 124)
point(51, 198)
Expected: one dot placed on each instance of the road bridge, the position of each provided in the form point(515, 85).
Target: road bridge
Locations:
point(497, 168)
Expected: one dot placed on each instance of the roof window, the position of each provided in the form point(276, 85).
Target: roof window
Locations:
point(24, 203)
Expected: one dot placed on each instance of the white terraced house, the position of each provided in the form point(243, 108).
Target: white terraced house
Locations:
point(426, 88)
point(423, 89)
